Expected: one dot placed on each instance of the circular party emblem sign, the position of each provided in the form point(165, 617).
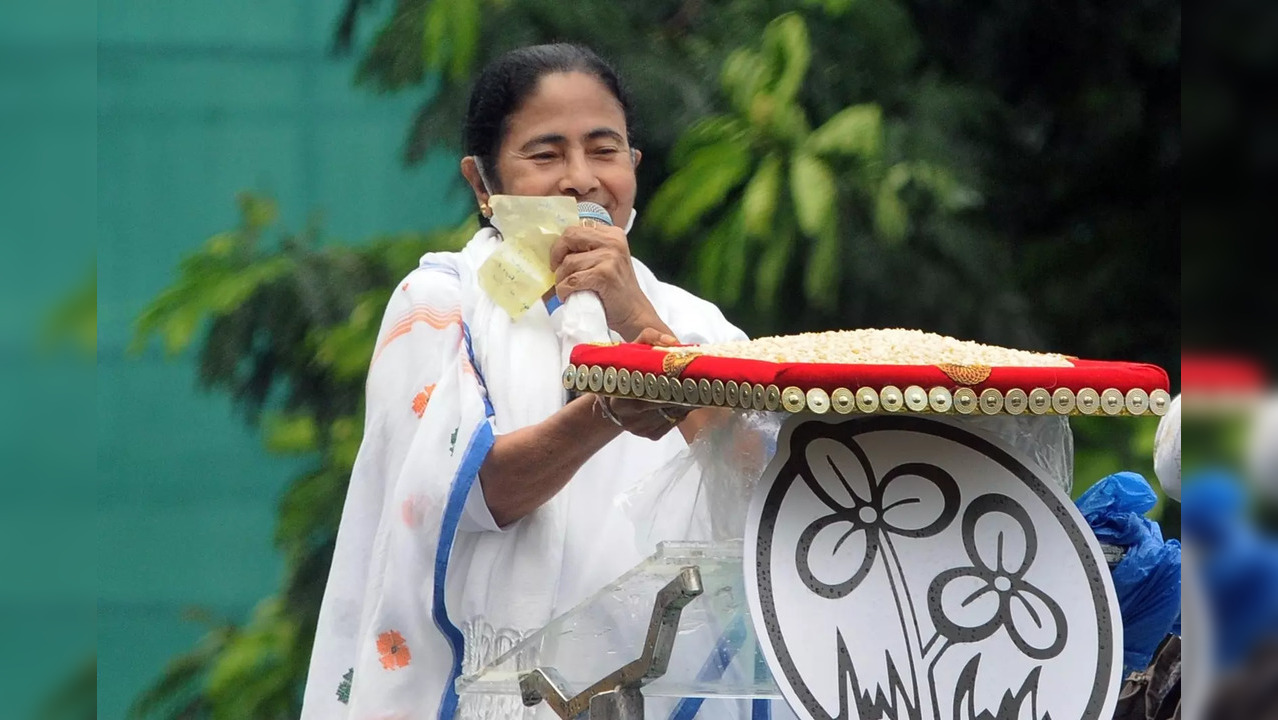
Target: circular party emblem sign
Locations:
point(906, 568)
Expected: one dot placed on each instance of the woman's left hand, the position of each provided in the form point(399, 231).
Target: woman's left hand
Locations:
point(598, 258)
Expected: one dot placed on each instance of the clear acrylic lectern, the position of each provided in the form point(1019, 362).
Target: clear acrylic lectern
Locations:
point(615, 646)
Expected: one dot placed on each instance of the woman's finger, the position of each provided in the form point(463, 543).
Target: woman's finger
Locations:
point(579, 261)
point(652, 336)
point(588, 279)
point(583, 239)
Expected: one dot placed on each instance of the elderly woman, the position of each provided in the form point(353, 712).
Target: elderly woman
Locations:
point(481, 503)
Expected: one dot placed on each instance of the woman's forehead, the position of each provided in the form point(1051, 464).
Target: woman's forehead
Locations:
point(573, 105)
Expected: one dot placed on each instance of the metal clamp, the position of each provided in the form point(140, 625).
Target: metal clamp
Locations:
point(617, 696)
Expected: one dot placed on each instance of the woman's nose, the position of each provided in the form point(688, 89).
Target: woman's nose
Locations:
point(578, 179)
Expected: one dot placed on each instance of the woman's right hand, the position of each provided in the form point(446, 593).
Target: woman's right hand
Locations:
point(640, 417)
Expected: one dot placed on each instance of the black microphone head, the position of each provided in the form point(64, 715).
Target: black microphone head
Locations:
point(594, 211)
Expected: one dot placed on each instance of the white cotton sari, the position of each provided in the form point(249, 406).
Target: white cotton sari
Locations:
point(423, 586)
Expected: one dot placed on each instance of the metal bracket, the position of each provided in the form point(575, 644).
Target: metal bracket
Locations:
point(617, 696)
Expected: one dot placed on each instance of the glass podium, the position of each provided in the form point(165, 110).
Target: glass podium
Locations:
point(616, 646)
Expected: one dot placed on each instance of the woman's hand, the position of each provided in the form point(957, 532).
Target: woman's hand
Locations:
point(642, 417)
point(598, 258)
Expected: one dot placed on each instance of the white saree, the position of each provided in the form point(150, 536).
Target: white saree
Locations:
point(423, 585)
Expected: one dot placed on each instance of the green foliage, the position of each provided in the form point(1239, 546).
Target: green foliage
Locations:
point(75, 698)
point(73, 321)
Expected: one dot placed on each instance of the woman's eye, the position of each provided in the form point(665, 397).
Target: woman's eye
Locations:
point(606, 151)
point(543, 156)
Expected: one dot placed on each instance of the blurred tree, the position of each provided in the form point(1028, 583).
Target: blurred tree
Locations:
point(992, 171)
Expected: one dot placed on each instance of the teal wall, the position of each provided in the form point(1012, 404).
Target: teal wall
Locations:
point(47, 439)
point(197, 101)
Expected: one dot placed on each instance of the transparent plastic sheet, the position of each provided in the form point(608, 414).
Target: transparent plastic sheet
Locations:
point(712, 481)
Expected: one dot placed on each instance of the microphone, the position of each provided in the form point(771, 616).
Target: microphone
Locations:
point(583, 312)
point(594, 211)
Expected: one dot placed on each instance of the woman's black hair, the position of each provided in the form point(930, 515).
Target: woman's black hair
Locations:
point(508, 80)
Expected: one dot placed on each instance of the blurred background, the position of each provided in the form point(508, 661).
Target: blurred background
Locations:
point(259, 175)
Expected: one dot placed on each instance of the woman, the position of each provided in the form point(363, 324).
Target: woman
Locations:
point(482, 503)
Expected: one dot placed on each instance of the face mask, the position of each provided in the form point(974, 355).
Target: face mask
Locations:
point(488, 188)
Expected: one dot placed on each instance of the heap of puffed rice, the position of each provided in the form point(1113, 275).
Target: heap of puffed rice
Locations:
point(877, 347)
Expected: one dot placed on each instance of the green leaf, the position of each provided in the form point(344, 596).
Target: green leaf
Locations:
point(345, 436)
point(729, 237)
point(181, 678)
point(435, 40)
point(821, 277)
point(812, 186)
point(949, 193)
point(223, 245)
point(709, 263)
point(74, 319)
point(465, 36)
point(311, 503)
point(345, 349)
point(788, 53)
point(742, 77)
point(708, 131)
point(290, 434)
point(771, 269)
point(853, 131)
point(833, 8)
point(759, 201)
point(891, 219)
point(253, 675)
point(699, 187)
point(179, 330)
point(785, 122)
point(257, 212)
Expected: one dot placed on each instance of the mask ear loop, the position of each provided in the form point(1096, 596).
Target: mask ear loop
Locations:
point(483, 176)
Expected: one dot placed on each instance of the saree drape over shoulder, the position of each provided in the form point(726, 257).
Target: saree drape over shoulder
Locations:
point(424, 586)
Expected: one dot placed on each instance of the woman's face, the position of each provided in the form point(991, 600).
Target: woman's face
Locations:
point(568, 138)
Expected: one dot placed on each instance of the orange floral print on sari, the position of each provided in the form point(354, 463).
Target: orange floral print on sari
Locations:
point(394, 650)
point(422, 399)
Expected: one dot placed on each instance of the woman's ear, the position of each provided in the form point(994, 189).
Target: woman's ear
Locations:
point(470, 171)
point(635, 156)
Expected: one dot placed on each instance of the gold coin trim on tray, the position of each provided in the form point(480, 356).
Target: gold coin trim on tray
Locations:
point(1015, 401)
point(940, 400)
point(1112, 402)
point(867, 400)
point(818, 401)
point(891, 399)
point(1063, 401)
point(914, 398)
point(1088, 401)
point(792, 399)
point(991, 401)
point(718, 392)
point(843, 401)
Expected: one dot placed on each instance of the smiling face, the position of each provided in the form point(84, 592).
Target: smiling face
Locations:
point(568, 137)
